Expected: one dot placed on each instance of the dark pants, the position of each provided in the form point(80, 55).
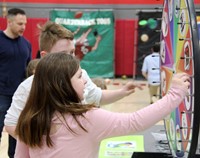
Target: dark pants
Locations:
point(5, 102)
point(11, 146)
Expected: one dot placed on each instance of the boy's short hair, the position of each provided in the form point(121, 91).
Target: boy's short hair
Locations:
point(50, 33)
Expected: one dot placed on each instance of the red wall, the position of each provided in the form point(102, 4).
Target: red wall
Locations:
point(124, 47)
point(124, 42)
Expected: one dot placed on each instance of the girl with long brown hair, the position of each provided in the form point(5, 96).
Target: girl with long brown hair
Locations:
point(54, 122)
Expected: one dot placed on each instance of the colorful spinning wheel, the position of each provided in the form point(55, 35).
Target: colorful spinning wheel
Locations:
point(180, 53)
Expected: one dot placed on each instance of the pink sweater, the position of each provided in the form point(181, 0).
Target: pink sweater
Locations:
point(102, 124)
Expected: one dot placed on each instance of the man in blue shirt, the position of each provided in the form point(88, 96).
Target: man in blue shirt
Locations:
point(15, 53)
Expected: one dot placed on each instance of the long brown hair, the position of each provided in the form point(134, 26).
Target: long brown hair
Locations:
point(51, 92)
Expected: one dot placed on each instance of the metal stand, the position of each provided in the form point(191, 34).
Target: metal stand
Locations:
point(154, 155)
point(150, 155)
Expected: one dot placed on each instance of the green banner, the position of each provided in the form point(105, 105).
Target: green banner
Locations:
point(94, 38)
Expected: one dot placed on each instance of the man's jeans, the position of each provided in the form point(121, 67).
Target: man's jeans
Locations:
point(5, 102)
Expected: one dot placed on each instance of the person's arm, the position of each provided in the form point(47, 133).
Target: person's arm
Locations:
point(21, 150)
point(94, 94)
point(105, 124)
point(18, 102)
point(145, 74)
point(11, 130)
point(83, 37)
point(145, 68)
point(110, 96)
point(30, 53)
